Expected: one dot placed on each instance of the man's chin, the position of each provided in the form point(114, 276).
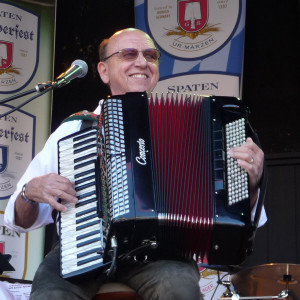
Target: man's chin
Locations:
point(139, 90)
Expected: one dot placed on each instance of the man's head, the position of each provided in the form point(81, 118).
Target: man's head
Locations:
point(128, 75)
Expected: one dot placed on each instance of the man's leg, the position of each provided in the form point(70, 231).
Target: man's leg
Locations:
point(47, 283)
point(163, 279)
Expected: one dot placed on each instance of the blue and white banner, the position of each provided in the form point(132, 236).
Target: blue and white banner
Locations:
point(26, 58)
point(201, 42)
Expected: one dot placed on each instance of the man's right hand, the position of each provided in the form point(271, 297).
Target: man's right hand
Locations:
point(50, 187)
point(44, 189)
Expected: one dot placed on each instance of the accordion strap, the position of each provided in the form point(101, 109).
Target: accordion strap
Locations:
point(82, 115)
point(87, 118)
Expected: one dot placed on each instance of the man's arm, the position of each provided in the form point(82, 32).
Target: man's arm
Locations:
point(25, 213)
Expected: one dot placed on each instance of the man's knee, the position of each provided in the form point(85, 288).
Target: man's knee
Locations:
point(166, 280)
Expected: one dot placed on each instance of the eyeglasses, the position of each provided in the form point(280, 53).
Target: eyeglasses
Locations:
point(129, 54)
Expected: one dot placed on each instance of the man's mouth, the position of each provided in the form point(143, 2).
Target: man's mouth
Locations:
point(139, 76)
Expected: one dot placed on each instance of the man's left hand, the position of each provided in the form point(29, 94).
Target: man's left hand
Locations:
point(250, 157)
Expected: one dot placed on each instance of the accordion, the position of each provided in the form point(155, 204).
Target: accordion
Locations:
point(153, 179)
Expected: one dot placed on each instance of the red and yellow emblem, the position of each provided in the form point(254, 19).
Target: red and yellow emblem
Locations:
point(192, 14)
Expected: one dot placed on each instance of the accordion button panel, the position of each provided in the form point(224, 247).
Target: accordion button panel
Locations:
point(237, 177)
point(116, 159)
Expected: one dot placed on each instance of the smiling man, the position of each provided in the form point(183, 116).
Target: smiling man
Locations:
point(129, 62)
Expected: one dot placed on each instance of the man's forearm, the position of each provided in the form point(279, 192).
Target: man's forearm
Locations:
point(25, 213)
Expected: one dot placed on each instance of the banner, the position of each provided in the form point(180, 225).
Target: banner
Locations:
point(26, 58)
point(201, 44)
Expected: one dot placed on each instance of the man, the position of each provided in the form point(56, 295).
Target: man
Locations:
point(128, 63)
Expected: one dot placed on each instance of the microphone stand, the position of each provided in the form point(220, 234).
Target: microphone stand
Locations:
point(41, 88)
point(17, 96)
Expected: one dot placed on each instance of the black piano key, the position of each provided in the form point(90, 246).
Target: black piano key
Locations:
point(81, 174)
point(87, 225)
point(89, 162)
point(85, 235)
point(84, 186)
point(85, 142)
point(98, 250)
point(85, 179)
point(86, 195)
point(88, 242)
point(84, 212)
point(84, 219)
point(83, 149)
point(83, 136)
point(78, 159)
point(85, 202)
point(85, 261)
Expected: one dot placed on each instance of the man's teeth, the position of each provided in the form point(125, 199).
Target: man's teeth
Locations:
point(139, 76)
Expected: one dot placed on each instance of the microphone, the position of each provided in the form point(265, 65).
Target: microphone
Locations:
point(78, 69)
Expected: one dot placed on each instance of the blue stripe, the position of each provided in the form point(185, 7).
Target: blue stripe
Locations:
point(166, 65)
point(235, 59)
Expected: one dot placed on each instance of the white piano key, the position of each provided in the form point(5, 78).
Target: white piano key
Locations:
point(67, 156)
point(72, 244)
point(75, 251)
point(73, 268)
point(68, 234)
point(72, 220)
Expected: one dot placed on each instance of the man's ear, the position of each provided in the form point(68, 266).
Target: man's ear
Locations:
point(103, 72)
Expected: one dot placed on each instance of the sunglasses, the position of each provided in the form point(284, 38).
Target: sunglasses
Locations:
point(129, 54)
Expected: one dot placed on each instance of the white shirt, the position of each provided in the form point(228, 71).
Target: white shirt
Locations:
point(46, 162)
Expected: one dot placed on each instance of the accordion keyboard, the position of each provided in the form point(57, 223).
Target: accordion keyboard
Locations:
point(81, 237)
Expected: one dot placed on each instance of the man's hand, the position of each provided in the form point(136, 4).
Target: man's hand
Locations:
point(47, 188)
point(43, 189)
point(250, 157)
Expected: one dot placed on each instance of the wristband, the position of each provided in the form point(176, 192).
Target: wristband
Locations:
point(24, 197)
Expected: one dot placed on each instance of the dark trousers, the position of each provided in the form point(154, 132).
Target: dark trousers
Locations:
point(163, 279)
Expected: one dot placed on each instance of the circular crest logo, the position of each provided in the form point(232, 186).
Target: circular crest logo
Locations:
point(192, 28)
point(19, 47)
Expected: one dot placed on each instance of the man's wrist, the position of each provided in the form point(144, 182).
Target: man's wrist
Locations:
point(23, 196)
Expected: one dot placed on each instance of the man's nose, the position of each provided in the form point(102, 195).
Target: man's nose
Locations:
point(141, 60)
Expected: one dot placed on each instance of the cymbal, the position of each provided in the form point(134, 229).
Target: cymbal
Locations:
point(268, 280)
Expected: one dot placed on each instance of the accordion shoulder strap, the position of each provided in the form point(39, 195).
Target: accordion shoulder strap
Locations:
point(82, 115)
point(87, 118)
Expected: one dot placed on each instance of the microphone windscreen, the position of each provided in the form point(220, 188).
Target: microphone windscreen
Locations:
point(83, 66)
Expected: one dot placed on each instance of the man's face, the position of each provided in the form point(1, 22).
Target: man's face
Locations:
point(129, 76)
